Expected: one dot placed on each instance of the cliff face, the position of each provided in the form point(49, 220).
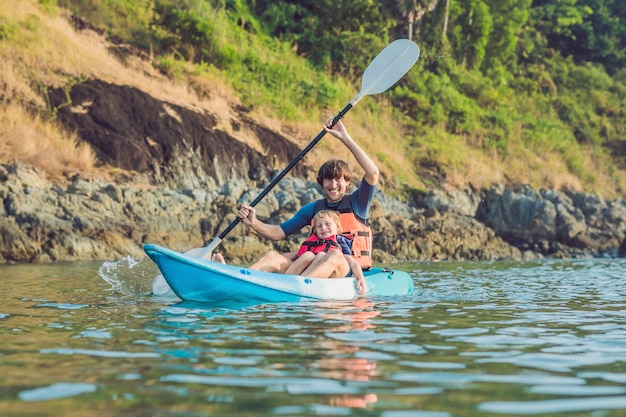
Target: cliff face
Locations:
point(190, 175)
point(171, 144)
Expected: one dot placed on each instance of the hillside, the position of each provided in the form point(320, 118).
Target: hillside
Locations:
point(443, 126)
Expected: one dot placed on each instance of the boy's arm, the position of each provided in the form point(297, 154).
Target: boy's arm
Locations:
point(358, 274)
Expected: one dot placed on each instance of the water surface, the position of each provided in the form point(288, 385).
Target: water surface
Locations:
point(474, 339)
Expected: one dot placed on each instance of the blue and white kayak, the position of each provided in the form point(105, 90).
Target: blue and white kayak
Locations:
point(196, 279)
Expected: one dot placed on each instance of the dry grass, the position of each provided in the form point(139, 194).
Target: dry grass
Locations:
point(373, 133)
point(42, 144)
point(480, 170)
point(540, 170)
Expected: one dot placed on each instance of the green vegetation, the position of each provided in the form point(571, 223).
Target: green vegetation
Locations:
point(510, 91)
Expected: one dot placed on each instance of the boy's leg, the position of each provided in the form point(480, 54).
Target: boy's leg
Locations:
point(272, 261)
point(300, 264)
point(328, 265)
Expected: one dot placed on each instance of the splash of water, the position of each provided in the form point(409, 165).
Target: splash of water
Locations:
point(129, 276)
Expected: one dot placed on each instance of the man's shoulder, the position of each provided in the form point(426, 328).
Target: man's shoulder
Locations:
point(365, 186)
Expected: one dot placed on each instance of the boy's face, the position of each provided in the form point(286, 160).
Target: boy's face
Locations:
point(325, 227)
point(334, 188)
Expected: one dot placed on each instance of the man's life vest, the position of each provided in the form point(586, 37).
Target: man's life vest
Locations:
point(316, 245)
point(354, 228)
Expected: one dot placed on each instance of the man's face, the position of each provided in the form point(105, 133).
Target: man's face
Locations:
point(334, 188)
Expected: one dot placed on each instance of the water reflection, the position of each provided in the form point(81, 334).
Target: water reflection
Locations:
point(351, 323)
point(327, 334)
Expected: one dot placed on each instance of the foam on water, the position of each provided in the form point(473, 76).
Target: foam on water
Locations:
point(56, 391)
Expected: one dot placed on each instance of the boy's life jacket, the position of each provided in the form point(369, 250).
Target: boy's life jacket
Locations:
point(316, 245)
point(354, 228)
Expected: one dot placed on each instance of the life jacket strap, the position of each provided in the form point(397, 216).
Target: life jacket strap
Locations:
point(321, 242)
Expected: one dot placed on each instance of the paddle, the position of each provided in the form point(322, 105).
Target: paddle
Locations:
point(384, 71)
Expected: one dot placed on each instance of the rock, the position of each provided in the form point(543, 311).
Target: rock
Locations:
point(555, 223)
point(91, 219)
point(622, 249)
point(185, 148)
point(462, 201)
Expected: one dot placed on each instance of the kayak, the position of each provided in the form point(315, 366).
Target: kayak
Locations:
point(201, 280)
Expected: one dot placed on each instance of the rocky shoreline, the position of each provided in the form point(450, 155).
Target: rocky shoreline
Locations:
point(96, 219)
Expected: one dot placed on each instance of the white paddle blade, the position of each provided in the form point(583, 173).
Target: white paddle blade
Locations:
point(161, 288)
point(388, 67)
point(205, 252)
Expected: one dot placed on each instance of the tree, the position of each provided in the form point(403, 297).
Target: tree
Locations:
point(509, 19)
point(337, 36)
point(445, 22)
point(586, 30)
point(411, 11)
point(601, 37)
point(472, 24)
point(556, 23)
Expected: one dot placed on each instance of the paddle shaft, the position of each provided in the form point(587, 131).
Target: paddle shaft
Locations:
point(288, 168)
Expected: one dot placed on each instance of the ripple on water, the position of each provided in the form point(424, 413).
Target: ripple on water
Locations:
point(432, 365)
point(96, 334)
point(63, 306)
point(581, 390)
point(274, 384)
point(454, 378)
point(363, 336)
point(56, 391)
point(101, 353)
point(414, 413)
point(612, 377)
point(553, 362)
point(554, 406)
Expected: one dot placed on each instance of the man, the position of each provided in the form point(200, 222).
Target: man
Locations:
point(335, 179)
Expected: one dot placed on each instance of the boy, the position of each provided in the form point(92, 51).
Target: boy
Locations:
point(325, 238)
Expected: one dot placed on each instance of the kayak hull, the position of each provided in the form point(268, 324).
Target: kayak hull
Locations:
point(195, 279)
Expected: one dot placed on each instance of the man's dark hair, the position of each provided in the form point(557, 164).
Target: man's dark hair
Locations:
point(333, 169)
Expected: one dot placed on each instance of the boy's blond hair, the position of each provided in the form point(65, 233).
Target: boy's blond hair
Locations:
point(328, 213)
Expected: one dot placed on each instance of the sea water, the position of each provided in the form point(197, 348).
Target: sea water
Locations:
point(475, 339)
